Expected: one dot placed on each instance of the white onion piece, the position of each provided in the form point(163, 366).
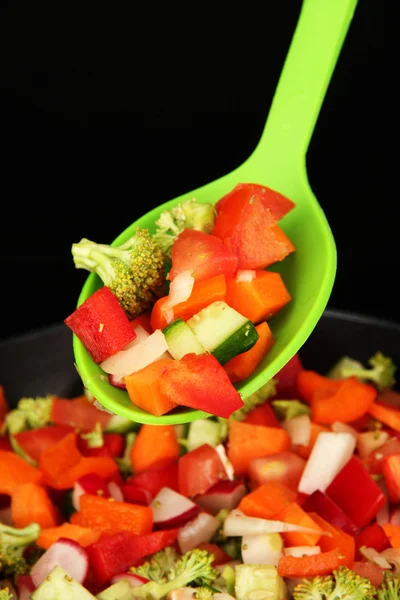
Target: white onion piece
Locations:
point(137, 357)
point(339, 427)
point(141, 335)
point(369, 441)
point(179, 290)
point(264, 549)
point(198, 531)
point(373, 556)
point(237, 524)
point(298, 429)
point(245, 275)
point(392, 555)
point(299, 551)
point(225, 461)
point(330, 453)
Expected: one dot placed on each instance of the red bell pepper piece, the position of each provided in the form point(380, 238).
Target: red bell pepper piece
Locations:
point(263, 415)
point(113, 446)
point(200, 382)
point(356, 493)
point(278, 204)
point(199, 470)
point(391, 473)
point(320, 503)
point(154, 480)
point(101, 325)
point(286, 386)
point(35, 441)
point(372, 536)
point(5, 443)
point(114, 554)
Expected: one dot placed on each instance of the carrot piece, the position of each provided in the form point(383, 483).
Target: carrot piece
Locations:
point(393, 533)
point(247, 441)
point(310, 566)
point(14, 471)
point(386, 414)
point(310, 382)
point(348, 403)
point(83, 535)
point(204, 292)
point(339, 539)
point(3, 405)
point(155, 446)
point(59, 458)
point(267, 500)
point(144, 389)
point(109, 517)
point(104, 466)
point(142, 320)
point(259, 299)
point(294, 514)
point(243, 365)
point(305, 451)
point(30, 503)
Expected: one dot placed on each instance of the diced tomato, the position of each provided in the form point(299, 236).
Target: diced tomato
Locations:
point(199, 470)
point(286, 386)
point(78, 413)
point(285, 467)
point(391, 473)
point(221, 557)
point(199, 381)
point(370, 571)
point(136, 495)
point(356, 493)
point(278, 204)
point(203, 254)
point(35, 441)
point(113, 446)
point(244, 217)
point(372, 536)
point(153, 480)
point(263, 415)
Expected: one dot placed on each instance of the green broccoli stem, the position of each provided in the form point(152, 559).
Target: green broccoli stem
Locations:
point(12, 538)
point(96, 257)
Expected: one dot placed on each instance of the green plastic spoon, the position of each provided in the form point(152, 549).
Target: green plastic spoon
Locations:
point(278, 162)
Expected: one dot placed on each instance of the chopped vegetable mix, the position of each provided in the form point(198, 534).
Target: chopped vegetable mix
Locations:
point(94, 507)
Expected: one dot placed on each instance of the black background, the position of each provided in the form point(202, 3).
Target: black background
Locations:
point(109, 110)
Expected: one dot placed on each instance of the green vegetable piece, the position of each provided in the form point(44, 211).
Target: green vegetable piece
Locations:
point(13, 543)
point(160, 567)
point(58, 585)
point(5, 594)
point(124, 463)
point(31, 413)
point(190, 214)
point(118, 424)
point(134, 271)
point(254, 582)
point(117, 591)
point(343, 585)
point(381, 373)
point(289, 409)
point(94, 438)
point(204, 431)
point(390, 586)
point(229, 575)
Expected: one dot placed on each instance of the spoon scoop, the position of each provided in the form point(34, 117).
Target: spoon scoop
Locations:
point(279, 163)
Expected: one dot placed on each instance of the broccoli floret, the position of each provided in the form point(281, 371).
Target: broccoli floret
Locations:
point(95, 437)
point(124, 463)
point(13, 543)
point(345, 584)
point(203, 593)
point(190, 214)
point(390, 586)
point(194, 566)
point(381, 373)
point(289, 409)
point(5, 594)
point(31, 413)
point(134, 271)
point(161, 566)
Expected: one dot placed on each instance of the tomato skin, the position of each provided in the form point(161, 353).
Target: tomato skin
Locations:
point(372, 536)
point(79, 413)
point(199, 470)
point(285, 467)
point(35, 441)
point(203, 254)
point(153, 480)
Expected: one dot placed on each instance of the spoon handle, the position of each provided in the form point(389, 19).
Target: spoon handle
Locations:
point(308, 68)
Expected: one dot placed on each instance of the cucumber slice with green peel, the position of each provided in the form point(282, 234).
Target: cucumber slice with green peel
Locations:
point(223, 331)
point(181, 340)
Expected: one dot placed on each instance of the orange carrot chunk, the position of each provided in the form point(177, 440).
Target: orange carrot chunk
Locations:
point(104, 466)
point(243, 365)
point(338, 540)
point(30, 503)
point(144, 388)
point(204, 292)
point(348, 403)
point(310, 382)
point(294, 514)
point(268, 500)
point(386, 414)
point(83, 535)
point(14, 471)
point(259, 299)
point(109, 517)
point(56, 460)
point(156, 446)
point(310, 566)
point(247, 441)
